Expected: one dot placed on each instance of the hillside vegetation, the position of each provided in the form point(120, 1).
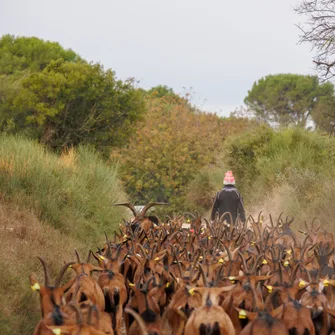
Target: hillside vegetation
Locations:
point(49, 205)
point(289, 170)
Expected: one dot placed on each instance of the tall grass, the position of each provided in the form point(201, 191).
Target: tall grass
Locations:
point(73, 193)
point(49, 205)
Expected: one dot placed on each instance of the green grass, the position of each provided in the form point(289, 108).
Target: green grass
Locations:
point(73, 193)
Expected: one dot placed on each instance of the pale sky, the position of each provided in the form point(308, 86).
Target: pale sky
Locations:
point(216, 48)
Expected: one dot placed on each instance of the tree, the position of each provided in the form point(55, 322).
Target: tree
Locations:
point(67, 104)
point(168, 150)
point(287, 98)
point(319, 31)
point(324, 115)
point(30, 53)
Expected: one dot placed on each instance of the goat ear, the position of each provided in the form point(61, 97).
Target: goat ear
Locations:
point(131, 285)
point(243, 314)
point(60, 330)
point(226, 288)
point(261, 278)
point(35, 285)
point(330, 282)
point(96, 268)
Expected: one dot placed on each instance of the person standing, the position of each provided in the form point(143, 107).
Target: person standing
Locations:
point(229, 200)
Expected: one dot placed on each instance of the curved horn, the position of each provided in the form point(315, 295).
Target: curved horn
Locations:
point(129, 205)
point(118, 250)
point(259, 216)
point(46, 272)
point(139, 320)
point(88, 256)
point(144, 253)
point(151, 204)
point(92, 309)
point(229, 214)
point(78, 257)
point(203, 275)
point(194, 264)
point(79, 319)
point(61, 273)
point(246, 270)
point(154, 250)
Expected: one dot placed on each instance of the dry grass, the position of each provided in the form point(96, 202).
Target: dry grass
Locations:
point(22, 238)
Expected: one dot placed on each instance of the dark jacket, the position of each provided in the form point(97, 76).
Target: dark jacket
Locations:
point(228, 200)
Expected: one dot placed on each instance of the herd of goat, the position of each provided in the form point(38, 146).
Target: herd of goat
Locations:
point(160, 277)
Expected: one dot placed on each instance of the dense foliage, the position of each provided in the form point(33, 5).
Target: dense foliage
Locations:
point(63, 101)
point(169, 148)
point(30, 53)
point(287, 99)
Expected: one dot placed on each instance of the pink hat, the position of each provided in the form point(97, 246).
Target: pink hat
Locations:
point(229, 178)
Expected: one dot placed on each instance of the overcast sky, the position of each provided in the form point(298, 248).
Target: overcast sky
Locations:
point(215, 48)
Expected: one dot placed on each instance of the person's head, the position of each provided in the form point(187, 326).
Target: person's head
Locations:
point(229, 178)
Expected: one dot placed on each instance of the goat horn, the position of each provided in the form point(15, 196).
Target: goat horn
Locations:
point(129, 205)
point(79, 319)
point(46, 272)
point(90, 313)
point(151, 204)
point(89, 256)
point(139, 320)
point(77, 254)
point(61, 273)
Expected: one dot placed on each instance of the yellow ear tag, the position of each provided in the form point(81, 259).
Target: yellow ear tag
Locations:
point(289, 251)
point(201, 258)
point(326, 283)
point(286, 263)
point(269, 287)
point(221, 261)
point(101, 257)
point(242, 314)
point(232, 279)
point(131, 284)
point(57, 331)
point(191, 291)
point(167, 284)
point(209, 237)
point(188, 220)
point(156, 259)
point(302, 283)
point(253, 243)
point(125, 236)
point(265, 262)
point(35, 287)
